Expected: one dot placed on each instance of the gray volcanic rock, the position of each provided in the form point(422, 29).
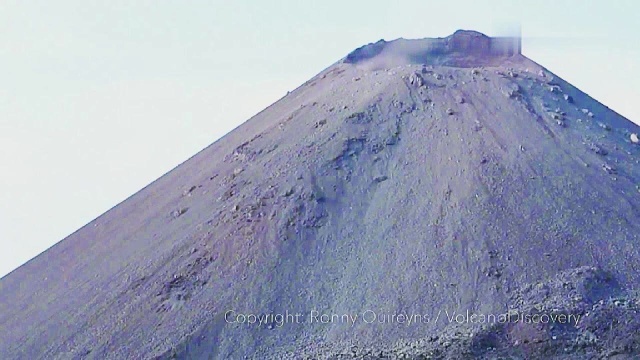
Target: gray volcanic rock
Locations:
point(414, 177)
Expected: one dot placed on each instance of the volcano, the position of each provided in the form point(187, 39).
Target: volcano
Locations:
point(433, 198)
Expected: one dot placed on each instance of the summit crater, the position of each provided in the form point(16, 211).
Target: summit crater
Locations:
point(464, 48)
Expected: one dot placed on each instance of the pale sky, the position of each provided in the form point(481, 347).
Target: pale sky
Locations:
point(100, 98)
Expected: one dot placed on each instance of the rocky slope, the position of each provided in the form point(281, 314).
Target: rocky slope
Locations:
point(578, 314)
point(416, 177)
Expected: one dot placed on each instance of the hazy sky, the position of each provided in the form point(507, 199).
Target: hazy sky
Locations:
point(98, 99)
